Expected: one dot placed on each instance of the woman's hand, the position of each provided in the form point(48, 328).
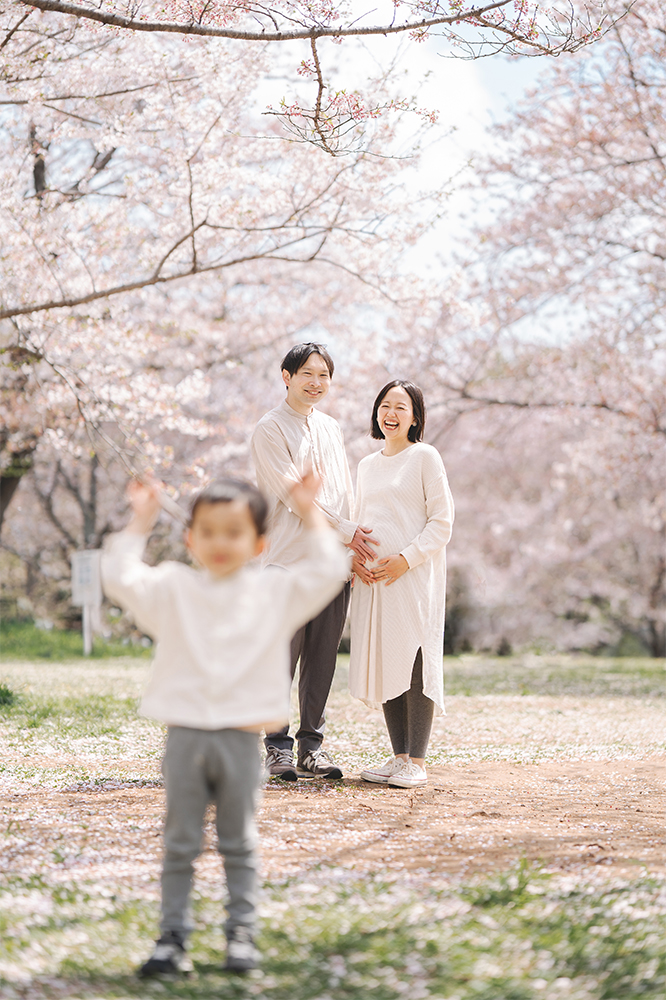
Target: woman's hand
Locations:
point(390, 569)
point(361, 571)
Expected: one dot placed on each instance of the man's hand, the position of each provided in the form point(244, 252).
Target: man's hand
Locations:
point(144, 498)
point(361, 571)
point(390, 569)
point(360, 544)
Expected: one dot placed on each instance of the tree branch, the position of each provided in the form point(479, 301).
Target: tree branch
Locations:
point(46, 500)
point(527, 404)
point(10, 33)
point(473, 16)
point(158, 279)
point(321, 86)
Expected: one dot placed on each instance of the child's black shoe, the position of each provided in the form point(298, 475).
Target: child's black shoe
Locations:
point(168, 959)
point(242, 955)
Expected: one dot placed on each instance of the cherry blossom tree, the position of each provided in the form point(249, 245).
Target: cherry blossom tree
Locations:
point(148, 195)
point(160, 252)
point(561, 340)
point(331, 111)
point(163, 243)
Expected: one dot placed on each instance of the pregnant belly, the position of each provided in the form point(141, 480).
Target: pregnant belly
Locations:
point(391, 538)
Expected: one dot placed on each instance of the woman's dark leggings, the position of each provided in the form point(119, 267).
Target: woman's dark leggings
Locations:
point(409, 716)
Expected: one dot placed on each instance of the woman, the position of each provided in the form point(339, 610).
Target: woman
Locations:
point(397, 618)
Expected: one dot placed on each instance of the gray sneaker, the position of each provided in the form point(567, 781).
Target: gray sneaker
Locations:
point(242, 955)
point(280, 764)
point(317, 764)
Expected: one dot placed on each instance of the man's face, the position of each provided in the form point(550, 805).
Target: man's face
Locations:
point(309, 385)
point(223, 537)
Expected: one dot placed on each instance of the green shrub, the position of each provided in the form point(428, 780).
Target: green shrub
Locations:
point(6, 695)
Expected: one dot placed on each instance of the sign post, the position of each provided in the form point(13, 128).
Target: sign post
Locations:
point(87, 590)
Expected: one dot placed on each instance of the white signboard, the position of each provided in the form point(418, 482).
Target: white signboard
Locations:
point(87, 578)
point(87, 590)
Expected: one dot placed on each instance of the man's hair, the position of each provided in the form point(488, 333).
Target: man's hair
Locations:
point(418, 406)
point(294, 359)
point(229, 490)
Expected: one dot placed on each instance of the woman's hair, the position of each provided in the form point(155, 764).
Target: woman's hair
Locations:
point(229, 490)
point(294, 359)
point(418, 407)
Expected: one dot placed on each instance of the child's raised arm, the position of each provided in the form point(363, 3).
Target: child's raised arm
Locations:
point(144, 498)
point(303, 496)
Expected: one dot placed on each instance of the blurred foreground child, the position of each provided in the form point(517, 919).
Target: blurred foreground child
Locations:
point(220, 676)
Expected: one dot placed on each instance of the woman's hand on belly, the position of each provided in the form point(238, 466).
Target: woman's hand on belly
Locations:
point(390, 569)
point(360, 569)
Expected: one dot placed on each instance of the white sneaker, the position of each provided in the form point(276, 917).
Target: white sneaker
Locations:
point(381, 774)
point(409, 776)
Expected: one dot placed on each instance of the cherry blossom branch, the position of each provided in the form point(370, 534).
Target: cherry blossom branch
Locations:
point(521, 404)
point(320, 93)
point(636, 84)
point(68, 302)
point(477, 16)
point(10, 33)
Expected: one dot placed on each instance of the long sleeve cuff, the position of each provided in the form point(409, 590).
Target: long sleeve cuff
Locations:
point(125, 543)
point(346, 530)
point(413, 555)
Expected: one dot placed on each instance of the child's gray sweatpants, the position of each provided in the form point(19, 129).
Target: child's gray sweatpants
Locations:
point(202, 766)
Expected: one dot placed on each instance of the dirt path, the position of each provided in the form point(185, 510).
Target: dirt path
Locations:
point(472, 818)
point(478, 818)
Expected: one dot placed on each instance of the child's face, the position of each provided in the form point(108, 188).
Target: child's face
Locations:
point(223, 537)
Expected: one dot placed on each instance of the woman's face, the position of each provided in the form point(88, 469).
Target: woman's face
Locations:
point(395, 414)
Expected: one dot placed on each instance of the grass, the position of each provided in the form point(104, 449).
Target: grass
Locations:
point(21, 640)
point(519, 936)
point(558, 706)
point(93, 716)
point(69, 722)
point(580, 676)
point(554, 675)
point(524, 934)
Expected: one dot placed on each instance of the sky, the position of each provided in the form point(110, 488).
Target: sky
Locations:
point(469, 96)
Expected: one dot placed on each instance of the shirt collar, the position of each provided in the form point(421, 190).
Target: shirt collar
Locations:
point(286, 408)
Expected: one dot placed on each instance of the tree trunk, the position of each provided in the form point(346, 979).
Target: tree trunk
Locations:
point(11, 476)
point(657, 632)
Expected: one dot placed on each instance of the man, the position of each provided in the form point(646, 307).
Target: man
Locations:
point(288, 441)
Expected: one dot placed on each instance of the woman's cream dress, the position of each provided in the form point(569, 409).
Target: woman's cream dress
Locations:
point(406, 500)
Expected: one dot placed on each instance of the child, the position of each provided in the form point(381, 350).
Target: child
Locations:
point(220, 676)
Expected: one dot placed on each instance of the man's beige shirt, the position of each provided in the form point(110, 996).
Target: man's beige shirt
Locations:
point(285, 444)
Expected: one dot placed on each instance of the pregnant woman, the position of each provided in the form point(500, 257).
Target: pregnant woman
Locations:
point(397, 617)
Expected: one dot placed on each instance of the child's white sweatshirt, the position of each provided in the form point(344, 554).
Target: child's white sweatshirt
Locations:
point(222, 656)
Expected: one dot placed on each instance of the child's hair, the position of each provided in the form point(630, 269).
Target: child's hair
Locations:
point(228, 490)
point(294, 359)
